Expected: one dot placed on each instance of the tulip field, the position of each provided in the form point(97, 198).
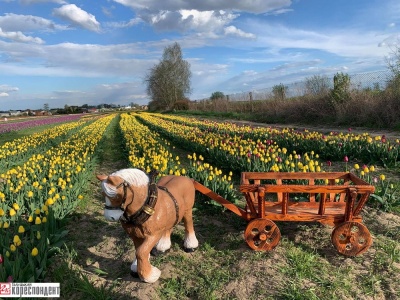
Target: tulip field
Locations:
point(44, 176)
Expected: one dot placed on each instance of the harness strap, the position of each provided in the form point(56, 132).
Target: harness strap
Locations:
point(147, 210)
point(174, 200)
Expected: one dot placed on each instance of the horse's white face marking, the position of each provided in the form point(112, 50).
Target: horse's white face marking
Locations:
point(112, 214)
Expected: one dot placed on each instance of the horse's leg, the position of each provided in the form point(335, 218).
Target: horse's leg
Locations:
point(137, 242)
point(190, 243)
point(164, 244)
point(146, 271)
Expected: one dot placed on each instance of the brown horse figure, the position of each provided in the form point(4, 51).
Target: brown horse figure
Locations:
point(148, 211)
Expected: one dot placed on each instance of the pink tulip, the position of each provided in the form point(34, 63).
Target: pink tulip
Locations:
point(346, 159)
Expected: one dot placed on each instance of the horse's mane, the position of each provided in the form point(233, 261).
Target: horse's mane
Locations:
point(134, 177)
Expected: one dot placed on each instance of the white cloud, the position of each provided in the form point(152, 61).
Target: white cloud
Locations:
point(232, 30)
point(18, 36)
point(87, 60)
point(208, 24)
point(7, 88)
point(78, 17)
point(189, 20)
point(207, 17)
point(14, 22)
point(42, 1)
point(130, 23)
point(279, 11)
point(252, 6)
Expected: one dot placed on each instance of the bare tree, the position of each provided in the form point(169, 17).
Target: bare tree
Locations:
point(169, 80)
point(317, 85)
point(393, 63)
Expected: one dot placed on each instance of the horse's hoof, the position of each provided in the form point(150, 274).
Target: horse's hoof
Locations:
point(156, 252)
point(189, 250)
point(134, 274)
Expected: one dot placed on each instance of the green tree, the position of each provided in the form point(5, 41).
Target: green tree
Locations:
point(169, 80)
point(279, 91)
point(217, 95)
point(341, 88)
point(46, 107)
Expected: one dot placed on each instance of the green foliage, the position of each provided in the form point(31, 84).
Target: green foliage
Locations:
point(279, 91)
point(341, 88)
point(217, 95)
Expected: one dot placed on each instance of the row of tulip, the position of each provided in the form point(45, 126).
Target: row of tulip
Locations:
point(242, 155)
point(16, 151)
point(36, 196)
point(333, 146)
point(15, 126)
point(148, 151)
point(386, 196)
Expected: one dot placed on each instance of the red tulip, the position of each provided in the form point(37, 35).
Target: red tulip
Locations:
point(346, 159)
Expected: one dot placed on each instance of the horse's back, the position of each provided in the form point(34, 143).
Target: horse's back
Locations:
point(179, 186)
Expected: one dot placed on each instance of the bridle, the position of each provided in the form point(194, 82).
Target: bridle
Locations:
point(147, 209)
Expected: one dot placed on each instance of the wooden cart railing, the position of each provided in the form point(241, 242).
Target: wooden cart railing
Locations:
point(332, 198)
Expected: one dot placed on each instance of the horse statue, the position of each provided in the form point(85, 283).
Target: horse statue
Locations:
point(148, 211)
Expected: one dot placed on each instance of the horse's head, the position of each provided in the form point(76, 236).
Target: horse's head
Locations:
point(120, 188)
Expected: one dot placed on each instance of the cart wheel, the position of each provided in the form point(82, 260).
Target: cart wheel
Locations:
point(262, 234)
point(351, 238)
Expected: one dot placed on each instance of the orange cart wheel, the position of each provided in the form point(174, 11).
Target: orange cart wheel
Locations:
point(262, 234)
point(351, 238)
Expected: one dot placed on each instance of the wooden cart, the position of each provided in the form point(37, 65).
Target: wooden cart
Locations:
point(332, 198)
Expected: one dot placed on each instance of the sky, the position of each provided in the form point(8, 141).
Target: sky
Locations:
point(79, 52)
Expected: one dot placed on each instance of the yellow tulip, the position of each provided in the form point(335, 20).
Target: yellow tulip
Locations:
point(17, 240)
point(35, 251)
point(12, 212)
point(6, 225)
point(16, 206)
point(1, 212)
point(382, 177)
point(38, 221)
point(21, 229)
point(13, 248)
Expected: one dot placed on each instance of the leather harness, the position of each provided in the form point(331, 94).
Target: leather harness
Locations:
point(147, 209)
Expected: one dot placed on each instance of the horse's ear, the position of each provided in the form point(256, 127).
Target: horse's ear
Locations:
point(101, 177)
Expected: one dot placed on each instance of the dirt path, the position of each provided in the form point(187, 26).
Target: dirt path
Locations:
point(105, 253)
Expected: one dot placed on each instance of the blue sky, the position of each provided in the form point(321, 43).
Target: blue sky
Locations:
point(91, 52)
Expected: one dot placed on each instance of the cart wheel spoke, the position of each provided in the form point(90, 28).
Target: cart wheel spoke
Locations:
point(351, 238)
point(262, 234)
